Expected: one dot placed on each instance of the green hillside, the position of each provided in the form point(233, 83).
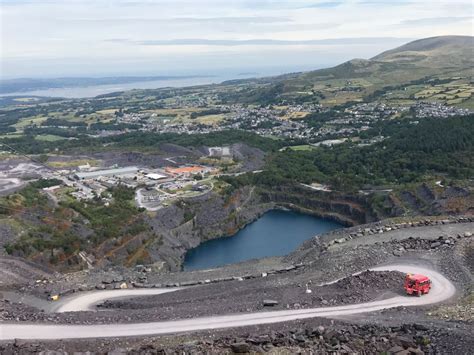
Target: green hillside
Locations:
point(436, 52)
point(433, 69)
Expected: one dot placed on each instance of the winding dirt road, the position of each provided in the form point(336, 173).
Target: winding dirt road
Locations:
point(442, 290)
point(87, 301)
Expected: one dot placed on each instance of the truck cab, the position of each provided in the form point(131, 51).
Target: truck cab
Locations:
point(416, 284)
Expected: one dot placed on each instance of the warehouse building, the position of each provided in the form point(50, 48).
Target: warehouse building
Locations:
point(130, 170)
point(219, 152)
point(155, 176)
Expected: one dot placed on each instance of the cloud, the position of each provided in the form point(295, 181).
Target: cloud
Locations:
point(26, 2)
point(326, 4)
point(434, 21)
point(238, 20)
point(169, 34)
point(258, 42)
point(118, 40)
point(187, 20)
point(385, 2)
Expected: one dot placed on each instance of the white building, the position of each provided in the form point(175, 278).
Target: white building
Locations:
point(219, 151)
point(130, 170)
point(155, 176)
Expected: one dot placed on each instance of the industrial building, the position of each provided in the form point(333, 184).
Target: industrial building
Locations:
point(186, 170)
point(155, 176)
point(219, 152)
point(130, 170)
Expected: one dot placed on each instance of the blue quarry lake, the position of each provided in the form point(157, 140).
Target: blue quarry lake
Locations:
point(276, 233)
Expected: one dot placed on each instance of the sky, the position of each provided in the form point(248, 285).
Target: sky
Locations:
point(57, 38)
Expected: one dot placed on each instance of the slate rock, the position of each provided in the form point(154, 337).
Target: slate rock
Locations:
point(270, 303)
point(240, 348)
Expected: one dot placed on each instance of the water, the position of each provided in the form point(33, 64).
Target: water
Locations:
point(78, 92)
point(94, 90)
point(275, 233)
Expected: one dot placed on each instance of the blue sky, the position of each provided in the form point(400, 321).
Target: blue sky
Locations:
point(54, 38)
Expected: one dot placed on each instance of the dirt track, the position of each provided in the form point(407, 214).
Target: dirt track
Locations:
point(442, 290)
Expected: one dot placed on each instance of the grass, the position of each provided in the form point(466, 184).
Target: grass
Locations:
point(341, 98)
point(15, 225)
point(73, 163)
point(458, 92)
point(26, 99)
point(183, 115)
point(210, 119)
point(27, 121)
point(469, 103)
point(173, 111)
point(11, 135)
point(220, 186)
point(63, 194)
point(305, 147)
point(94, 118)
point(49, 138)
point(109, 111)
point(453, 93)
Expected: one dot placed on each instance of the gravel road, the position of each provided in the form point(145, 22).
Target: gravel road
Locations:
point(442, 290)
point(86, 302)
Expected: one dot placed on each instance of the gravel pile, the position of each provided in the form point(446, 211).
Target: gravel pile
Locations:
point(258, 295)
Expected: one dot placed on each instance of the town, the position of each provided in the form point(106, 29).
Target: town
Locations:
point(291, 121)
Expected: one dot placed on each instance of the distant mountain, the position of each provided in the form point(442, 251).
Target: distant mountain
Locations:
point(444, 51)
point(412, 60)
point(422, 61)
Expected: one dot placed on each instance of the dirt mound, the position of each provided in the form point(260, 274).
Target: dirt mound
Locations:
point(252, 296)
point(373, 279)
point(250, 157)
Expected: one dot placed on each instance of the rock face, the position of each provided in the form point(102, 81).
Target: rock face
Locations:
point(346, 209)
point(185, 225)
point(427, 200)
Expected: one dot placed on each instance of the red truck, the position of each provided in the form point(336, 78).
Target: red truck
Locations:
point(416, 284)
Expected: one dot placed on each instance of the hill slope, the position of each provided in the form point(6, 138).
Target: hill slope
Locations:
point(412, 68)
point(444, 52)
point(418, 57)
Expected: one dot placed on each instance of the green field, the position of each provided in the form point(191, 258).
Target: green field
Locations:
point(49, 138)
point(299, 148)
point(28, 121)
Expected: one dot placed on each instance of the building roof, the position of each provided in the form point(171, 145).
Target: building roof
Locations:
point(155, 176)
point(185, 170)
point(107, 172)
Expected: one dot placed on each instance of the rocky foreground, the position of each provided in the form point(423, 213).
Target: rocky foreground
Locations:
point(316, 336)
point(272, 284)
